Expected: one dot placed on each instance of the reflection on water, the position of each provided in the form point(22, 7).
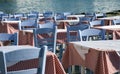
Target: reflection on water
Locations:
point(76, 6)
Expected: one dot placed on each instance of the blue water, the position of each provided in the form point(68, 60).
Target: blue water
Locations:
point(75, 6)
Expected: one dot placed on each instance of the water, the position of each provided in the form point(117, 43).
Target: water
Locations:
point(75, 6)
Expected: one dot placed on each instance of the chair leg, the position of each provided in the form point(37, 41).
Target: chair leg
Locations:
point(69, 70)
point(61, 51)
point(88, 71)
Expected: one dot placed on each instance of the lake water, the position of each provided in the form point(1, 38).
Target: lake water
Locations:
point(75, 6)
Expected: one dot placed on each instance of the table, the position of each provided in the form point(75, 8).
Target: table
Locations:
point(53, 65)
point(102, 57)
point(58, 30)
point(109, 19)
point(68, 20)
point(115, 29)
point(72, 16)
point(62, 23)
point(111, 27)
point(10, 21)
point(9, 26)
point(12, 27)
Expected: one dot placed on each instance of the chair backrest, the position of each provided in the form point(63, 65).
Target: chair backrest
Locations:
point(116, 22)
point(18, 15)
point(100, 15)
point(95, 34)
point(11, 55)
point(11, 19)
point(32, 15)
point(96, 23)
point(1, 12)
point(46, 36)
point(72, 32)
point(59, 16)
point(48, 14)
point(88, 14)
point(3, 16)
point(28, 24)
point(13, 38)
point(47, 25)
point(85, 20)
point(66, 14)
point(34, 12)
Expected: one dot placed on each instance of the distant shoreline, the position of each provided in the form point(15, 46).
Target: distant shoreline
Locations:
point(111, 13)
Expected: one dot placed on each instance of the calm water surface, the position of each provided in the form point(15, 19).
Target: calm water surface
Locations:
point(76, 6)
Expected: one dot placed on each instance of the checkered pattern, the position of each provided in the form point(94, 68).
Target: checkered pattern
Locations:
point(53, 65)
